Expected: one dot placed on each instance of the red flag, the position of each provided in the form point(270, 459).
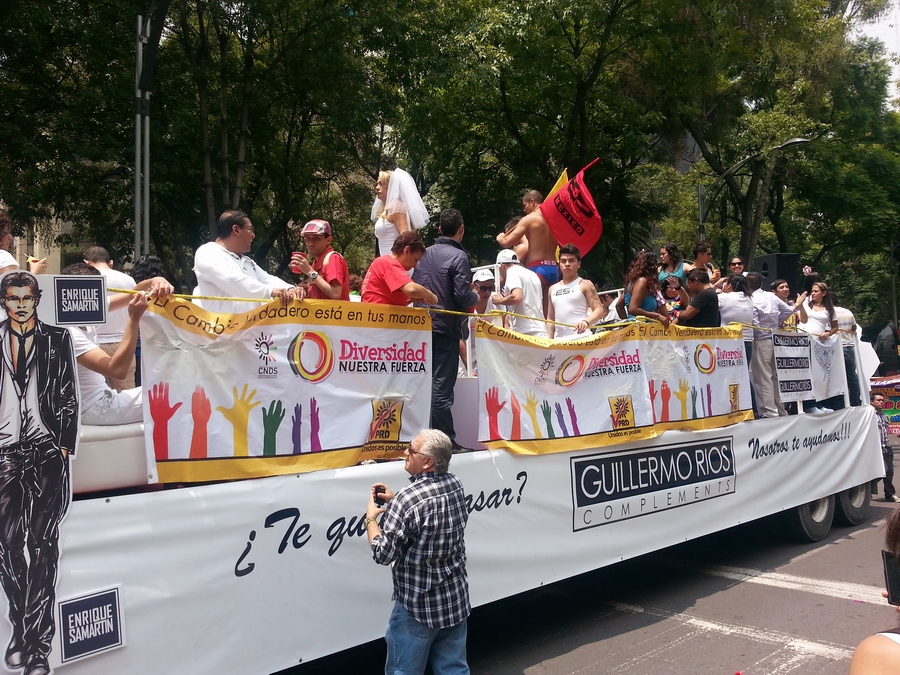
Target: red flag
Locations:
point(572, 215)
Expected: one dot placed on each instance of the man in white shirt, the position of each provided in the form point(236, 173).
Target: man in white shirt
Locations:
point(847, 327)
point(573, 300)
point(100, 404)
point(224, 270)
point(769, 312)
point(521, 294)
point(109, 335)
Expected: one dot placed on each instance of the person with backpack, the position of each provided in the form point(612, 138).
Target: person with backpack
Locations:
point(329, 278)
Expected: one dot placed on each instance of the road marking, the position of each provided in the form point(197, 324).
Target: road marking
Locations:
point(799, 647)
point(835, 589)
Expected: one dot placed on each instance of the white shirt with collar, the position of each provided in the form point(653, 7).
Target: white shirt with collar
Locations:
point(114, 329)
point(225, 274)
point(769, 311)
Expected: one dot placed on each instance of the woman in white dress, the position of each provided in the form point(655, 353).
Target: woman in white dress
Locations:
point(398, 208)
point(818, 318)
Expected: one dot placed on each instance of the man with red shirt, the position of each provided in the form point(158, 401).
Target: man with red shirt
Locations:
point(387, 282)
point(329, 278)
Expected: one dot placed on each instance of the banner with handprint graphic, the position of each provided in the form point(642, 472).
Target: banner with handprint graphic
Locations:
point(621, 385)
point(699, 377)
point(281, 389)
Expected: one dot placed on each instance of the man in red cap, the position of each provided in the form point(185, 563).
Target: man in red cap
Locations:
point(329, 278)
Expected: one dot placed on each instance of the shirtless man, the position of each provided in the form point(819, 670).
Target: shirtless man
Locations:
point(520, 249)
point(541, 247)
point(531, 200)
point(703, 260)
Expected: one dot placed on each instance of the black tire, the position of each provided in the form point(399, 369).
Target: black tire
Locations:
point(810, 522)
point(851, 506)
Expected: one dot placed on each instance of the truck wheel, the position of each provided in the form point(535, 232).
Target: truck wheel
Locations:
point(812, 521)
point(851, 506)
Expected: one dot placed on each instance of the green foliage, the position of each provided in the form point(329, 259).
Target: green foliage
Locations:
point(289, 108)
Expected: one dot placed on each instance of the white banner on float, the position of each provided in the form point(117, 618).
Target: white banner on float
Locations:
point(827, 364)
point(292, 554)
point(792, 365)
point(281, 389)
point(633, 383)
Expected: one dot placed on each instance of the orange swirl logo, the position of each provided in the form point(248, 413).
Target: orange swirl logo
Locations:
point(324, 362)
point(564, 379)
point(704, 359)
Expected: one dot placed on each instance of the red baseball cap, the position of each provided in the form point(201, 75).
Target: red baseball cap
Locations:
point(317, 227)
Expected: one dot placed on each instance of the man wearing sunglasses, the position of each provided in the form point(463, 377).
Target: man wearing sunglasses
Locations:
point(484, 284)
point(422, 536)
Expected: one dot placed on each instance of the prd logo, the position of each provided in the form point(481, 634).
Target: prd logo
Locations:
point(705, 359)
point(621, 412)
point(324, 359)
point(387, 417)
point(734, 397)
point(265, 345)
point(566, 376)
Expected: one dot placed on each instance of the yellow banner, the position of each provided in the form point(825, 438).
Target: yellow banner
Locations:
point(282, 389)
point(617, 386)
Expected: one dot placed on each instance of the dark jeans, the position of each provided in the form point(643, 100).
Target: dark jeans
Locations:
point(852, 376)
point(34, 497)
point(444, 369)
point(888, 458)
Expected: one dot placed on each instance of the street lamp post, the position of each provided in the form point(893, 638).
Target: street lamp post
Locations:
point(718, 182)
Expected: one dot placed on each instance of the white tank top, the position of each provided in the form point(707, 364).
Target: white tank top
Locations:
point(386, 233)
point(569, 306)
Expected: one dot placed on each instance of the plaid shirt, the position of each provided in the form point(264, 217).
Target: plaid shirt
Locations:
point(422, 534)
point(883, 432)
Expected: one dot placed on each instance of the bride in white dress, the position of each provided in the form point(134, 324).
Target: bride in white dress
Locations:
point(397, 208)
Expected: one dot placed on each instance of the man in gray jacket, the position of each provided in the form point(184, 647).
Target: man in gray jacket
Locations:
point(445, 270)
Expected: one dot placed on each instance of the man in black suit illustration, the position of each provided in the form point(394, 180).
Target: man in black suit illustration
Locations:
point(38, 430)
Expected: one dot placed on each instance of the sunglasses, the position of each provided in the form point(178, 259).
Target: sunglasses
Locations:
point(485, 289)
point(408, 449)
point(736, 264)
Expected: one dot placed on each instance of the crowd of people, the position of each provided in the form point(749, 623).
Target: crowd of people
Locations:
point(534, 283)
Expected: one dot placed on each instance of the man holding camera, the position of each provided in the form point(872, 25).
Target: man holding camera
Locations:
point(421, 533)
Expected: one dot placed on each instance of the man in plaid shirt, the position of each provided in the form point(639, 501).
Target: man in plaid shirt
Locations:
point(887, 452)
point(422, 535)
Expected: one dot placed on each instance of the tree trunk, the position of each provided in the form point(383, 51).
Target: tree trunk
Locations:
point(223, 112)
point(241, 163)
point(197, 59)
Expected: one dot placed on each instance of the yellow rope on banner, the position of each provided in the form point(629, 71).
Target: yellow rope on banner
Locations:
point(188, 296)
point(492, 313)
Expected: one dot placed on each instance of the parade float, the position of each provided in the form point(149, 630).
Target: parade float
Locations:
point(226, 533)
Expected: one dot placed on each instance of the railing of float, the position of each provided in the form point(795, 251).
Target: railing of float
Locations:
point(319, 384)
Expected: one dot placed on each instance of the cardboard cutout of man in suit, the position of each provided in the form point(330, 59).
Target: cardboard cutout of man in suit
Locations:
point(38, 431)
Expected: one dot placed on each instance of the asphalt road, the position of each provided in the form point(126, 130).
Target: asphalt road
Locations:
point(743, 601)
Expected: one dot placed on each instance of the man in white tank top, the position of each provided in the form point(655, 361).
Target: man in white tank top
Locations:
point(573, 300)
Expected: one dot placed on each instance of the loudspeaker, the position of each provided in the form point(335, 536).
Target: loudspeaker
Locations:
point(779, 266)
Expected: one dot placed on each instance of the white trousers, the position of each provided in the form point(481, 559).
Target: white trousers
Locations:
point(765, 381)
point(124, 407)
